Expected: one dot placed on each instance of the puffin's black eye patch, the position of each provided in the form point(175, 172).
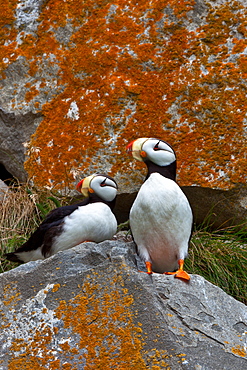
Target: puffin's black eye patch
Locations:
point(156, 147)
point(103, 183)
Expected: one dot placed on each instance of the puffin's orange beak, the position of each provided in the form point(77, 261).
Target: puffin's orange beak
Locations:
point(135, 148)
point(84, 185)
point(79, 185)
point(129, 147)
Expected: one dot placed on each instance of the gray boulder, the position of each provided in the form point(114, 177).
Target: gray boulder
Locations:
point(90, 307)
point(15, 131)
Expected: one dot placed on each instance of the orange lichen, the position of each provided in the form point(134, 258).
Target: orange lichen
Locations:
point(159, 359)
point(240, 351)
point(103, 319)
point(10, 295)
point(133, 69)
point(8, 34)
point(95, 329)
point(31, 94)
point(105, 325)
point(55, 287)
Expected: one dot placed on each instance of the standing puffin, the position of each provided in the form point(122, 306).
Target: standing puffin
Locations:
point(160, 217)
point(65, 227)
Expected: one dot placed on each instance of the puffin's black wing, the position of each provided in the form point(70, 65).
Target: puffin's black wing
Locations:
point(61, 212)
point(46, 230)
point(35, 241)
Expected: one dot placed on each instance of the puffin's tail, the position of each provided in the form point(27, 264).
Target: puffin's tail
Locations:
point(12, 257)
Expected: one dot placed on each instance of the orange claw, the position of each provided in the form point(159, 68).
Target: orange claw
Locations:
point(180, 273)
point(149, 268)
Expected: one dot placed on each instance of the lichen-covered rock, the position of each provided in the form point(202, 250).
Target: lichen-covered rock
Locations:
point(95, 75)
point(90, 307)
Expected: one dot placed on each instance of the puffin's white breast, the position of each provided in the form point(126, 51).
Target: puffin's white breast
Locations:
point(161, 221)
point(93, 222)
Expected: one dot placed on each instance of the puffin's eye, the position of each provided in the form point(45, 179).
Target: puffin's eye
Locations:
point(156, 147)
point(103, 183)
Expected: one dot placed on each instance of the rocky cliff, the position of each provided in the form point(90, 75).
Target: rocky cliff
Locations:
point(85, 78)
point(91, 308)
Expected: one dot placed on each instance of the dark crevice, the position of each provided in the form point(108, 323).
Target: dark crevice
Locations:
point(6, 176)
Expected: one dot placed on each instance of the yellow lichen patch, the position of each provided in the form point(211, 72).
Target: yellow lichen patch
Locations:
point(160, 359)
point(94, 329)
point(104, 321)
point(157, 360)
point(130, 69)
point(10, 295)
point(30, 357)
point(55, 287)
point(8, 34)
point(239, 350)
point(31, 93)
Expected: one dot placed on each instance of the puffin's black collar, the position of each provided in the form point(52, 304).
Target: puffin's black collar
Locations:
point(166, 171)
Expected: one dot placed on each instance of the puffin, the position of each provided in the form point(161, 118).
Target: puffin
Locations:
point(160, 217)
point(67, 226)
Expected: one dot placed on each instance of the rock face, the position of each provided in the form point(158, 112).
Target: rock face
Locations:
point(72, 97)
point(90, 307)
point(15, 131)
point(87, 82)
point(219, 209)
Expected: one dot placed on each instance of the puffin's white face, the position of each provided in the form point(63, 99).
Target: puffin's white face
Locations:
point(104, 187)
point(157, 151)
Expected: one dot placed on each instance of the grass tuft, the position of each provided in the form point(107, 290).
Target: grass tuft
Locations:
point(221, 258)
point(21, 211)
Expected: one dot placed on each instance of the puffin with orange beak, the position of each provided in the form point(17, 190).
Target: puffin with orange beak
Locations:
point(160, 217)
point(67, 226)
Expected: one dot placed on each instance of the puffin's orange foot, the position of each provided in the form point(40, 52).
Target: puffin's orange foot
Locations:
point(180, 273)
point(149, 268)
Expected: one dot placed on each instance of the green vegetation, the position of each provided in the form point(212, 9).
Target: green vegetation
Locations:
point(22, 209)
point(219, 256)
